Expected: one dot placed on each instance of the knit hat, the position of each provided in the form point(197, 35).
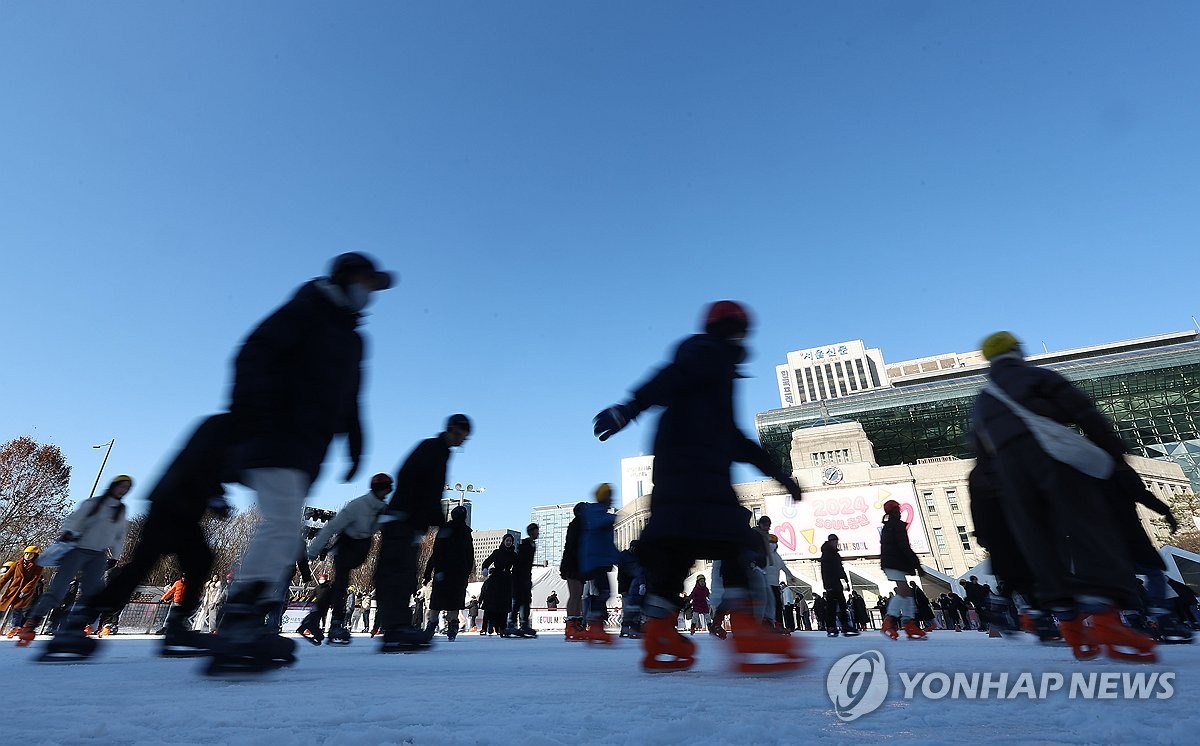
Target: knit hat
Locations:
point(998, 344)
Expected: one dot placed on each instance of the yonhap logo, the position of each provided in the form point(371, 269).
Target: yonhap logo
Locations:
point(857, 684)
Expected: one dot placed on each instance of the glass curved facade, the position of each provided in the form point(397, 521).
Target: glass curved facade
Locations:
point(1151, 395)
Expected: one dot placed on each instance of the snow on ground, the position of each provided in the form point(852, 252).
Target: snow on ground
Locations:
point(548, 691)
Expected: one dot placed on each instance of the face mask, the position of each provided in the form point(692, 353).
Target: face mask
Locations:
point(357, 296)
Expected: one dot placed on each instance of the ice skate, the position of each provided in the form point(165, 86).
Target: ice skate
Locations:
point(105, 631)
point(1170, 631)
point(26, 633)
point(751, 639)
point(68, 646)
point(595, 634)
point(338, 635)
point(716, 627)
point(1106, 629)
point(914, 631)
point(891, 627)
point(245, 645)
point(850, 632)
point(1079, 638)
point(405, 640)
point(314, 635)
point(452, 630)
point(575, 630)
point(179, 642)
point(666, 649)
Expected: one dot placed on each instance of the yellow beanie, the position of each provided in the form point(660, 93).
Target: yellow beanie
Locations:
point(998, 344)
point(604, 493)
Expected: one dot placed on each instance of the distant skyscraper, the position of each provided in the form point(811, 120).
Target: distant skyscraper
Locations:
point(552, 523)
point(637, 479)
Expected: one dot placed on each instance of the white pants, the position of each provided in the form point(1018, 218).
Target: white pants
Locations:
point(277, 542)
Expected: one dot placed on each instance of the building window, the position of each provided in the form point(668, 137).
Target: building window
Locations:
point(930, 506)
point(964, 537)
point(952, 498)
point(940, 537)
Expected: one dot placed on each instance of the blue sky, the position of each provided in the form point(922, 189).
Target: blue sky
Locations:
point(563, 187)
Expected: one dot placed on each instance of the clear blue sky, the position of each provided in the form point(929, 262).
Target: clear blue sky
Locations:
point(562, 187)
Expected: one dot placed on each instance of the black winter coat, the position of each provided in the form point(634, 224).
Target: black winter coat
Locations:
point(523, 565)
point(198, 471)
point(894, 550)
point(420, 482)
point(993, 532)
point(1043, 392)
point(697, 442)
point(497, 596)
point(1125, 489)
point(450, 566)
point(832, 570)
point(568, 568)
point(296, 384)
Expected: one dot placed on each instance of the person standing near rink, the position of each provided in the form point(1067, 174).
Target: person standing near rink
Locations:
point(696, 511)
point(1055, 486)
point(296, 386)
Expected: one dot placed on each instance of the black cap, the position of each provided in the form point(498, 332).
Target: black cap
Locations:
point(353, 262)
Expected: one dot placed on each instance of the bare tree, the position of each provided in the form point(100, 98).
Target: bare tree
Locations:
point(34, 493)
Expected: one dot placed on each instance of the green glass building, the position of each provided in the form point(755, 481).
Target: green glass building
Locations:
point(1149, 388)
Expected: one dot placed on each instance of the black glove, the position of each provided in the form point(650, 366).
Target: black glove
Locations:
point(610, 422)
point(112, 562)
point(794, 490)
point(1172, 522)
point(353, 469)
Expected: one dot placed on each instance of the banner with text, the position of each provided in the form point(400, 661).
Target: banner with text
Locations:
point(855, 514)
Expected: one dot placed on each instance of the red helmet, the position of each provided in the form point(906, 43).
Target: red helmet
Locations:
point(381, 480)
point(726, 316)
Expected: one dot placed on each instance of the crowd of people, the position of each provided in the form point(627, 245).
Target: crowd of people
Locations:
point(1065, 573)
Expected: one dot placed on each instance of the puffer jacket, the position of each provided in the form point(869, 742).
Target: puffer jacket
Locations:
point(99, 524)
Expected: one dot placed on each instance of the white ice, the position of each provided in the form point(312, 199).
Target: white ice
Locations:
point(548, 691)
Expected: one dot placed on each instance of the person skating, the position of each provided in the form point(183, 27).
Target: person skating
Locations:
point(568, 569)
point(497, 591)
point(415, 506)
point(522, 583)
point(833, 574)
point(597, 555)
point(97, 527)
point(312, 626)
point(698, 597)
point(774, 568)
point(696, 512)
point(296, 387)
point(191, 488)
point(348, 536)
point(18, 586)
point(1055, 488)
point(449, 568)
point(898, 561)
point(631, 585)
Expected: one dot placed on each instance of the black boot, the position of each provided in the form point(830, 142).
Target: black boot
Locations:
point(179, 642)
point(452, 630)
point(70, 644)
point(245, 645)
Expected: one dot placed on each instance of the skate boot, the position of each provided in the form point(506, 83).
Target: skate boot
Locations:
point(246, 645)
point(891, 627)
point(595, 634)
point(1078, 637)
point(751, 639)
point(831, 632)
point(405, 640)
point(717, 626)
point(105, 631)
point(666, 649)
point(452, 630)
point(179, 642)
point(1046, 630)
point(1170, 631)
point(26, 633)
point(1106, 629)
point(913, 630)
point(338, 634)
point(850, 631)
point(69, 645)
point(315, 635)
point(574, 631)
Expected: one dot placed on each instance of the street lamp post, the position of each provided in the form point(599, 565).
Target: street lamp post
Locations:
point(462, 491)
point(102, 463)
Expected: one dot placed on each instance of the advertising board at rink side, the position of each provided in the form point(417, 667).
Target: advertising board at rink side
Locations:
point(855, 514)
